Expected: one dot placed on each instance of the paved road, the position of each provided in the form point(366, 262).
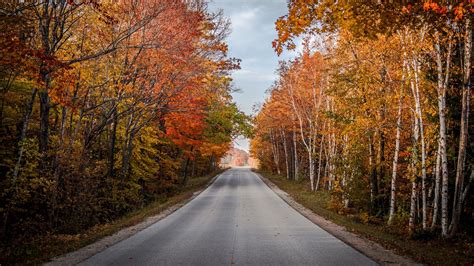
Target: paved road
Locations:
point(237, 220)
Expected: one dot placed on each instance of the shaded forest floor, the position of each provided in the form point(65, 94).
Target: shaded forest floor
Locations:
point(41, 249)
point(423, 248)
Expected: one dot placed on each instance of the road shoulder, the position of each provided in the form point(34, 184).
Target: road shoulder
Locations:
point(369, 248)
point(88, 251)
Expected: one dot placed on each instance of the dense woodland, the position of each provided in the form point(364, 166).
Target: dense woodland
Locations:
point(106, 106)
point(377, 110)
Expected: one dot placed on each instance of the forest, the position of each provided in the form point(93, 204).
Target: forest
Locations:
point(110, 107)
point(376, 110)
point(105, 107)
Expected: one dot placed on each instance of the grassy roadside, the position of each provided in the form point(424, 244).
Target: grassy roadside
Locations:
point(457, 251)
point(42, 249)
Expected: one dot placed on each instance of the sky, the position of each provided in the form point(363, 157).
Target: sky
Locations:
point(253, 30)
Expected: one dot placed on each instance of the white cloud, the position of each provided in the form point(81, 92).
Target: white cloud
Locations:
point(252, 75)
point(244, 19)
point(253, 30)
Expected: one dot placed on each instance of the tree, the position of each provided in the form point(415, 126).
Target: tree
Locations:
point(134, 99)
point(372, 52)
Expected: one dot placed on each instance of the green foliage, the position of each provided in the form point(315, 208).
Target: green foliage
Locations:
point(226, 121)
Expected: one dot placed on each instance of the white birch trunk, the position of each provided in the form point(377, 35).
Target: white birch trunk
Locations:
point(295, 149)
point(321, 144)
point(308, 141)
point(436, 190)
point(311, 171)
point(285, 149)
point(463, 138)
point(413, 198)
point(419, 114)
point(393, 186)
point(411, 221)
point(442, 131)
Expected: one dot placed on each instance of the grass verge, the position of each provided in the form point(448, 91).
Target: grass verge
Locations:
point(432, 251)
point(41, 249)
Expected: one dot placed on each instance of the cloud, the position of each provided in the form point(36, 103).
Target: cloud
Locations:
point(244, 19)
point(253, 30)
point(253, 75)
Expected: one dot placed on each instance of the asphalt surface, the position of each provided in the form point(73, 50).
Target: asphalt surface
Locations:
point(236, 220)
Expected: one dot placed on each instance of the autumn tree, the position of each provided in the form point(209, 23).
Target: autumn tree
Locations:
point(107, 106)
point(396, 77)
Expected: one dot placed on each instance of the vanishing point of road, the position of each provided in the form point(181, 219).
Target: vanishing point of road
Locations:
point(237, 220)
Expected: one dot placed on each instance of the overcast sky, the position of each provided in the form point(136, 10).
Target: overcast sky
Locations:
point(253, 30)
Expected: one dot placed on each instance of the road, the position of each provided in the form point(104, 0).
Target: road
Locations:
point(236, 220)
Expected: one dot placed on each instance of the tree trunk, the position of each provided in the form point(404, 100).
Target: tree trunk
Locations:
point(326, 165)
point(411, 221)
point(373, 175)
point(112, 140)
point(414, 163)
point(283, 137)
point(44, 122)
point(275, 151)
point(381, 171)
point(436, 190)
point(442, 85)
point(311, 170)
point(186, 165)
point(185, 175)
point(332, 166)
point(193, 167)
point(463, 138)
point(295, 149)
point(126, 156)
point(211, 163)
point(321, 145)
point(58, 171)
point(24, 129)
point(419, 116)
point(393, 186)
